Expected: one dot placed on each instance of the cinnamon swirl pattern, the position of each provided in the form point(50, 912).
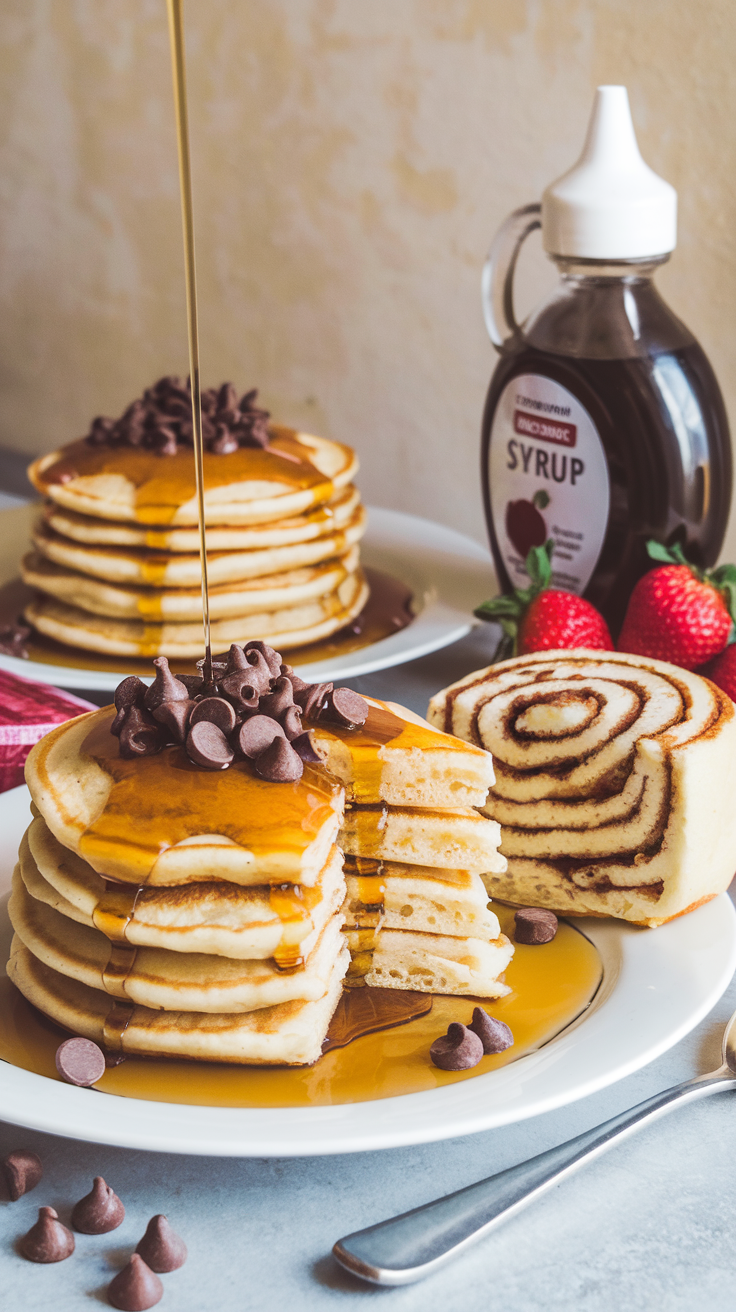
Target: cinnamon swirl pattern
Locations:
point(614, 781)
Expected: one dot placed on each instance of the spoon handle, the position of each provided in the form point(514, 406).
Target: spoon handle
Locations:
point(415, 1244)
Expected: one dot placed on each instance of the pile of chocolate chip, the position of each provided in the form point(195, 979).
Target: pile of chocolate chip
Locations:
point(254, 706)
point(161, 420)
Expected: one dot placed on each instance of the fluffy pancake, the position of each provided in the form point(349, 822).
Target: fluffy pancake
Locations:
point(292, 627)
point(160, 820)
point(401, 759)
point(459, 838)
point(434, 963)
point(288, 1034)
point(274, 592)
point(320, 522)
point(614, 781)
point(158, 569)
point(405, 897)
point(174, 981)
point(225, 919)
point(249, 486)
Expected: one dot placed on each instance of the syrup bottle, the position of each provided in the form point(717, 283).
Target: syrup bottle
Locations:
point(604, 424)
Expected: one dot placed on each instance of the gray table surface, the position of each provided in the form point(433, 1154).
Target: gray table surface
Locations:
point(651, 1226)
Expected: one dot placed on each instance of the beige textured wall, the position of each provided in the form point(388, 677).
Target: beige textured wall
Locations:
point(352, 161)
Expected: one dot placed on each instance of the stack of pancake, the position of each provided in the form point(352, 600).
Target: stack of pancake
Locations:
point(220, 937)
point(417, 914)
point(116, 558)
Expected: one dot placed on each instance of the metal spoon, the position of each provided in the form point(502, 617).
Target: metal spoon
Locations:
point(417, 1243)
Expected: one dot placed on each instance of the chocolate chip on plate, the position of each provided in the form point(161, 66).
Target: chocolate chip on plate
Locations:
point(161, 1247)
point(48, 1240)
point(457, 1050)
point(279, 764)
point(207, 746)
point(534, 925)
point(99, 1211)
point(23, 1171)
point(494, 1034)
point(80, 1062)
point(135, 1288)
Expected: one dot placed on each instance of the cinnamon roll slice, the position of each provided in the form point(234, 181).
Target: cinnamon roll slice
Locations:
point(614, 781)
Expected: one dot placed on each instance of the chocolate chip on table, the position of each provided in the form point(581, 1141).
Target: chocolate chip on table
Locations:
point(304, 747)
point(207, 746)
point(346, 707)
point(494, 1034)
point(99, 1211)
point(165, 688)
point(48, 1240)
point(161, 1247)
point(136, 1287)
point(23, 1171)
point(217, 711)
point(139, 734)
point(457, 1050)
point(279, 764)
point(534, 925)
point(175, 716)
point(80, 1062)
point(257, 733)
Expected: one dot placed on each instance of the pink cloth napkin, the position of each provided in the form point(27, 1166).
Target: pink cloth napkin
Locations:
point(28, 711)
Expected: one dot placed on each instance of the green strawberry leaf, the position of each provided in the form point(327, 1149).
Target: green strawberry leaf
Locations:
point(658, 551)
point(728, 589)
point(498, 608)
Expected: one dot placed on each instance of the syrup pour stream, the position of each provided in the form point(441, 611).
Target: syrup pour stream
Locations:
point(178, 65)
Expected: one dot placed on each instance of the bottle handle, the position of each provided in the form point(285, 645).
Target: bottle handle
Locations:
point(497, 290)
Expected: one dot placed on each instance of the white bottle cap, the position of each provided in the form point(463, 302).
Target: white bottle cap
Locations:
point(610, 205)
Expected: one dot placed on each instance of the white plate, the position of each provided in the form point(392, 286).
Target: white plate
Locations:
point(448, 574)
point(657, 985)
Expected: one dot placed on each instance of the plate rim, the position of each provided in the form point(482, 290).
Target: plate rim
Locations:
point(408, 540)
point(647, 974)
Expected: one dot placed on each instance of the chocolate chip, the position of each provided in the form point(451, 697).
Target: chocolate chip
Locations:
point(304, 747)
point(278, 700)
point(80, 1062)
point(271, 657)
point(312, 698)
point(240, 689)
point(258, 733)
point(280, 764)
point(224, 441)
point(135, 1288)
point(194, 683)
point(22, 1170)
point(174, 716)
point(260, 670)
point(130, 692)
point(297, 684)
point(291, 722)
point(236, 659)
point(99, 1211)
point(140, 735)
point(346, 707)
point(161, 1247)
point(534, 925)
point(13, 639)
point(457, 1050)
point(48, 1240)
point(165, 687)
point(493, 1034)
point(207, 746)
point(217, 711)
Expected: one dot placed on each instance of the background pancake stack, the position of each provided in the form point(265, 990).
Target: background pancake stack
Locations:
point(411, 921)
point(202, 965)
point(116, 558)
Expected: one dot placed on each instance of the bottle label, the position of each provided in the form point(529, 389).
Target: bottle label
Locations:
point(548, 478)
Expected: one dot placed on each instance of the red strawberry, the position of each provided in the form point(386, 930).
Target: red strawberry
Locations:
point(722, 670)
point(539, 618)
point(678, 613)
